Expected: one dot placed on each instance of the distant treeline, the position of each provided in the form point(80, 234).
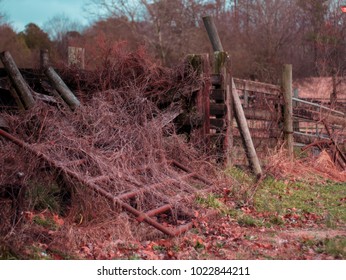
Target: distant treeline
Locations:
point(260, 35)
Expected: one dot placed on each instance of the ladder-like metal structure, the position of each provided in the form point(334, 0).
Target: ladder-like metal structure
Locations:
point(123, 200)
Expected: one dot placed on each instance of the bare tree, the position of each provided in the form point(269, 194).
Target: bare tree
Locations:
point(59, 25)
point(263, 31)
point(169, 28)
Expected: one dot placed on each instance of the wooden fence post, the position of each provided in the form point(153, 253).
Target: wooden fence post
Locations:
point(76, 57)
point(62, 88)
point(212, 33)
point(229, 142)
point(17, 80)
point(288, 108)
point(200, 64)
point(44, 59)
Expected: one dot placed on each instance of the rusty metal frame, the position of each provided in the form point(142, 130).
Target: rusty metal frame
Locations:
point(118, 200)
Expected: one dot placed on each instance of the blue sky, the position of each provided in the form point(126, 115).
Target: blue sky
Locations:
point(21, 12)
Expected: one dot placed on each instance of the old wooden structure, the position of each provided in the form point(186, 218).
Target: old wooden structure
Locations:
point(244, 120)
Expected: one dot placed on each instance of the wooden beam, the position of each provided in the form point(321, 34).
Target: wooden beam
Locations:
point(212, 33)
point(218, 109)
point(218, 95)
point(17, 80)
point(259, 114)
point(253, 86)
point(216, 79)
point(65, 93)
point(245, 133)
point(217, 123)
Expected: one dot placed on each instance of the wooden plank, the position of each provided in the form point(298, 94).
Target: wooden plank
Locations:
point(305, 138)
point(218, 95)
point(257, 141)
point(258, 114)
point(258, 132)
point(253, 86)
point(115, 200)
point(217, 123)
point(216, 79)
point(218, 109)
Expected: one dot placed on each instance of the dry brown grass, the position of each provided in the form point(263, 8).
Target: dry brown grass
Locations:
point(312, 169)
point(119, 133)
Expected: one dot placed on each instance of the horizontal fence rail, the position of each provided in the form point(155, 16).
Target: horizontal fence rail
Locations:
point(317, 106)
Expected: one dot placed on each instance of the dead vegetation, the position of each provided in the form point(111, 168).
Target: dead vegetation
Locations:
point(316, 169)
point(123, 136)
point(122, 139)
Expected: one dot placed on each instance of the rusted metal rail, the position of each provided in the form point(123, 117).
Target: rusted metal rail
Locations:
point(117, 199)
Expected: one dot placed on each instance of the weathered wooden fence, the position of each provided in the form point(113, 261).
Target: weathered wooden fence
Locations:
point(265, 115)
point(263, 108)
point(273, 116)
point(311, 121)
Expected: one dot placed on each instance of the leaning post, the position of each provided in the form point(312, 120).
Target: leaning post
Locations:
point(17, 80)
point(65, 93)
point(212, 33)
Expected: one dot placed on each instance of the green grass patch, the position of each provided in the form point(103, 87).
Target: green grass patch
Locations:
point(212, 201)
point(249, 221)
point(242, 182)
point(6, 253)
point(41, 197)
point(45, 222)
point(280, 197)
point(240, 175)
point(335, 247)
point(159, 248)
